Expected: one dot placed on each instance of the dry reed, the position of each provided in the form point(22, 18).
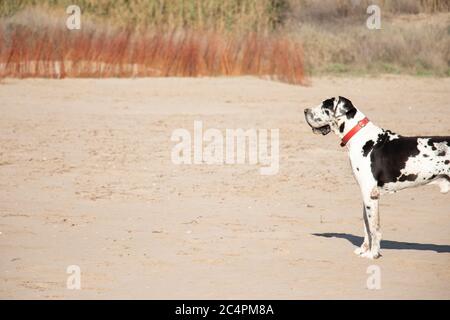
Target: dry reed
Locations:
point(56, 52)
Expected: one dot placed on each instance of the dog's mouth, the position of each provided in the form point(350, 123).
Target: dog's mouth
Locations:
point(326, 129)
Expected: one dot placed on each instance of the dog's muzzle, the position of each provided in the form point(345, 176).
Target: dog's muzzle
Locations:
point(324, 130)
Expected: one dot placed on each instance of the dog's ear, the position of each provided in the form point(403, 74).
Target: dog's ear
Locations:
point(329, 104)
point(344, 107)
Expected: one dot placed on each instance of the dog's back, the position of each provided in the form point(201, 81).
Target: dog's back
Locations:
point(400, 162)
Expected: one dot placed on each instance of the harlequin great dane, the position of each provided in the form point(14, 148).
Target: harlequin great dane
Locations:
point(382, 161)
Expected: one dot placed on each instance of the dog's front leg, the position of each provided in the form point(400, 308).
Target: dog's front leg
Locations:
point(373, 221)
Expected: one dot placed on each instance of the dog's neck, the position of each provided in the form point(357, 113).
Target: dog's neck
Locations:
point(370, 131)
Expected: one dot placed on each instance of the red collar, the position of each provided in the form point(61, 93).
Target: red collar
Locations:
point(361, 124)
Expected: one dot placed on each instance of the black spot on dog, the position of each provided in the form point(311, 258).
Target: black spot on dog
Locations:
point(389, 157)
point(342, 127)
point(433, 140)
point(368, 207)
point(425, 155)
point(357, 169)
point(447, 162)
point(409, 177)
point(368, 147)
point(442, 154)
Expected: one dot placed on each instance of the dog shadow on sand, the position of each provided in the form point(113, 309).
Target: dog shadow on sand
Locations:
point(388, 244)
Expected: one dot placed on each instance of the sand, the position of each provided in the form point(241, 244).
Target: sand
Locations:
point(86, 179)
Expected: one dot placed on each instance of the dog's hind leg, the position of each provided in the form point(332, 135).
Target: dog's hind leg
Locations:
point(367, 241)
point(443, 182)
point(445, 185)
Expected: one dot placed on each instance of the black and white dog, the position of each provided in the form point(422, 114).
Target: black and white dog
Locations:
point(382, 161)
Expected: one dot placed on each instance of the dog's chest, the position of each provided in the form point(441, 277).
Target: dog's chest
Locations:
point(361, 166)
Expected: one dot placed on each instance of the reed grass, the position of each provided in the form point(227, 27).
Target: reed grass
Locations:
point(54, 52)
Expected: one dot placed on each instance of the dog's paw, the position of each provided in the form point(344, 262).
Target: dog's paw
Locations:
point(361, 250)
point(371, 255)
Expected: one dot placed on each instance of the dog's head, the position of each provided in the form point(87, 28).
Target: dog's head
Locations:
point(331, 114)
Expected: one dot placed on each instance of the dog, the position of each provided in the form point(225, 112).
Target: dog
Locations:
point(382, 161)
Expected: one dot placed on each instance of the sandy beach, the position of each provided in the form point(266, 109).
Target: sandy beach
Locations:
point(86, 179)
